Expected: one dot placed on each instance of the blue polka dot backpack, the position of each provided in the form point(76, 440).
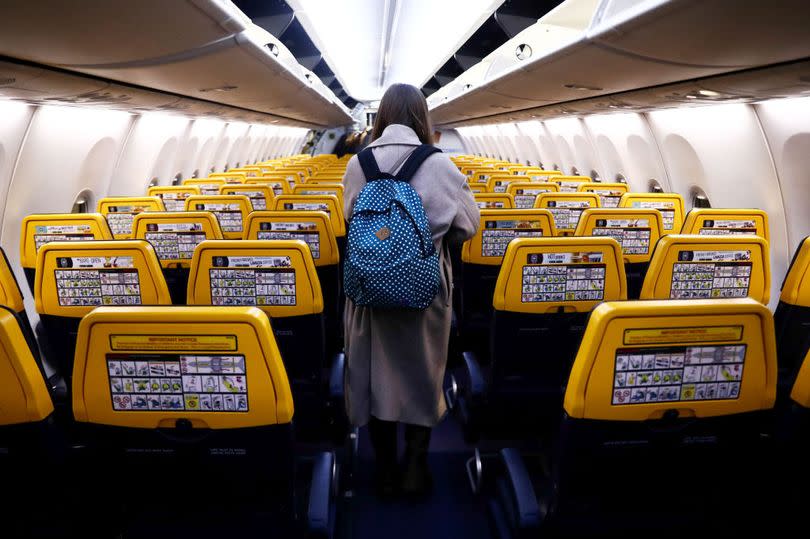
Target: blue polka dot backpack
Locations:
point(391, 261)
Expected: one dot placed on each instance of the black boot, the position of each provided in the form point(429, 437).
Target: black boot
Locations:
point(383, 436)
point(416, 478)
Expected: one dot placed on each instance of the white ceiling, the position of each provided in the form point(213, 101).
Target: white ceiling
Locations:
point(370, 44)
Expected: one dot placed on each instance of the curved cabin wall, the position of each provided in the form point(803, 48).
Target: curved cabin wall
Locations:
point(49, 155)
point(740, 155)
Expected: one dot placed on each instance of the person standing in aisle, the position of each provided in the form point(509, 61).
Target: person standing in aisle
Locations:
point(396, 357)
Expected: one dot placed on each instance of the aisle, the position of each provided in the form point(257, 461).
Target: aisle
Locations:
point(451, 511)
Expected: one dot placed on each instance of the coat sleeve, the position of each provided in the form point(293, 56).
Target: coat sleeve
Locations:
point(467, 218)
point(353, 182)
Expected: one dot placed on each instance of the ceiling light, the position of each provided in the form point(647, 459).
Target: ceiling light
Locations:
point(273, 48)
point(219, 89)
point(690, 96)
point(410, 57)
point(523, 51)
point(709, 93)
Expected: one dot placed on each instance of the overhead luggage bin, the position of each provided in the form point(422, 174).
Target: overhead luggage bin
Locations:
point(121, 211)
point(40, 229)
point(709, 267)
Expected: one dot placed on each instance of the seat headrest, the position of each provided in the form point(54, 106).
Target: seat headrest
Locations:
point(312, 227)
point(726, 222)
point(549, 275)
point(42, 228)
point(669, 204)
point(636, 230)
point(174, 196)
point(148, 367)
point(566, 208)
point(639, 360)
point(121, 211)
point(231, 211)
point(498, 227)
point(174, 235)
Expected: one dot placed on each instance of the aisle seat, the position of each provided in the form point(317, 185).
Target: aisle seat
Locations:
point(261, 196)
point(315, 229)
point(42, 228)
point(27, 429)
point(792, 317)
point(174, 236)
point(669, 204)
point(121, 211)
point(231, 211)
point(316, 188)
point(545, 291)
point(726, 222)
point(74, 278)
point(481, 258)
point(325, 203)
point(673, 391)
point(636, 230)
point(525, 192)
point(609, 193)
point(278, 276)
point(174, 196)
point(494, 201)
point(498, 183)
point(566, 208)
point(198, 397)
point(709, 267)
point(207, 186)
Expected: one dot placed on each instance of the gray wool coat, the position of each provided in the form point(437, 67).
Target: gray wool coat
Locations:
point(395, 360)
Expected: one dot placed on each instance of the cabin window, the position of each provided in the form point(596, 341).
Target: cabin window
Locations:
point(574, 171)
point(196, 173)
point(212, 170)
point(83, 202)
point(177, 178)
point(655, 187)
point(595, 176)
point(700, 199)
point(555, 166)
point(620, 178)
point(227, 167)
point(154, 182)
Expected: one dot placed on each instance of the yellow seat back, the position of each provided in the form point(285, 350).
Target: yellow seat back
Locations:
point(174, 235)
point(499, 227)
point(315, 188)
point(261, 196)
point(709, 267)
point(121, 211)
point(566, 208)
point(569, 184)
point(229, 177)
point(498, 183)
point(74, 278)
point(207, 186)
point(636, 230)
point(174, 196)
point(278, 186)
point(43, 228)
point(669, 204)
point(641, 359)
point(525, 192)
point(25, 397)
point(312, 227)
point(231, 211)
point(796, 286)
point(325, 203)
point(10, 293)
point(550, 275)
point(609, 193)
point(148, 367)
point(800, 393)
point(277, 276)
point(494, 201)
point(726, 222)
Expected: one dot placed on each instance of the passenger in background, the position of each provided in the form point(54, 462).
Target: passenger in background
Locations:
point(396, 359)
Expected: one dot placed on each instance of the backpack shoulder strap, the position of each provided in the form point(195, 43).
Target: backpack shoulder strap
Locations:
point(415, 161)
point(369, 165)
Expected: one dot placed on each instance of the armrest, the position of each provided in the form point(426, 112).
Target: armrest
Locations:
point(319, 511)
point(527, 509)
point(478, 385)
point(336, 376)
